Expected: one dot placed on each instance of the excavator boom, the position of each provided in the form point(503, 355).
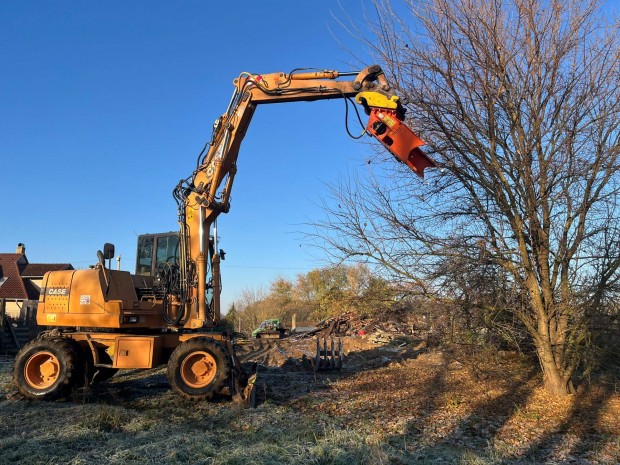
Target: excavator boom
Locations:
point(202, 197)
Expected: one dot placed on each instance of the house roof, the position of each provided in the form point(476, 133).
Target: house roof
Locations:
point(13, 286)
point(37, 270)
point(14, 268)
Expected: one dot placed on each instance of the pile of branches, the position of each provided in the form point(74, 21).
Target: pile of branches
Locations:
point(352, 324)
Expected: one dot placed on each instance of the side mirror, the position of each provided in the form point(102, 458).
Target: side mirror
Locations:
point(108, 251)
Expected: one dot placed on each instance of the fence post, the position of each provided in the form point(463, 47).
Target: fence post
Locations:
point(2, 320)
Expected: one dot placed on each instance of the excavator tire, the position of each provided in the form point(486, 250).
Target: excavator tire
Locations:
point(49, 368)
point(198, 368)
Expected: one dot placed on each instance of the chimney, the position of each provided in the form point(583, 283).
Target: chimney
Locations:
point(21, 248)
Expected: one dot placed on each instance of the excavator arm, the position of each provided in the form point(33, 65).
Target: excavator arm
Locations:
point(206, 194)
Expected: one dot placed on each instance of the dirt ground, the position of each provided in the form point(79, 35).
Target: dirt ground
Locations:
point(396, 404)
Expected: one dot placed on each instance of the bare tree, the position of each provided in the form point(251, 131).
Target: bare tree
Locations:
point(250, 310)
point(520, 105)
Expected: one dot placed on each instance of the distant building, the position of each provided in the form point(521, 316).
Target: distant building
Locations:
point(20, 282)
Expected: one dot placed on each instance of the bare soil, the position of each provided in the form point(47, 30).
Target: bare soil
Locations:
point(397, 404)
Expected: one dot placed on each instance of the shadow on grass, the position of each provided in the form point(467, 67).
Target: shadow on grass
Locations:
point(479, 436)
point(577, 435)
point(290, 382)
point(449, 428)
point(445, 414)
point(478, 430)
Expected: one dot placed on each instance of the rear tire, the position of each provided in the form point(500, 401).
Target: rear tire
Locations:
point(49, 368)
point(198, 368)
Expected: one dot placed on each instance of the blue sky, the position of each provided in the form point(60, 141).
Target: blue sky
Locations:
point(104, 106)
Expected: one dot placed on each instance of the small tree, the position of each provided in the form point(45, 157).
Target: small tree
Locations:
point(250, 309)
point(315, 295)
point(231, 319)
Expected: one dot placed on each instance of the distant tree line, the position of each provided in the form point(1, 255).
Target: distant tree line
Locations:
point(313, 296)
point(472, 311)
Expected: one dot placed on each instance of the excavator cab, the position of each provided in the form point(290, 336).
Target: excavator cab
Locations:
point(154, 249)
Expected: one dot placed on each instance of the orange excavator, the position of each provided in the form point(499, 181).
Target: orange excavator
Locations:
point(101, 320)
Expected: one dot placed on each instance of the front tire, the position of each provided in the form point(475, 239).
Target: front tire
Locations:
point(49, 368)
point(198, 368)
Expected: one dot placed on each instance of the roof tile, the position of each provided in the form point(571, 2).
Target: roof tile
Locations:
point(13, 287)
point(14, 267)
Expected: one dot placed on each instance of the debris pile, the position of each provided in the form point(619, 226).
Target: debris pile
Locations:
point(347, 324)
point(380, 329)
point(369, 341)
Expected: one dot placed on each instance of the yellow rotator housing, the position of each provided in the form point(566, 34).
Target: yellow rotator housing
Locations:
point(377, 100)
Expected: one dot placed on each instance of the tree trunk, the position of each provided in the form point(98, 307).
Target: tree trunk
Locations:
point(555, 381)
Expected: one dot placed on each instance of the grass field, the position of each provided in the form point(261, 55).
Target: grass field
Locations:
point(388, 405)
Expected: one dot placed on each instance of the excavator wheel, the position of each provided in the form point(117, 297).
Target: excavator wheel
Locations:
point(49, 368)
point(198, 368)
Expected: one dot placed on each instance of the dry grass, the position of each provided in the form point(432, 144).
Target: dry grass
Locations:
point(416, 408)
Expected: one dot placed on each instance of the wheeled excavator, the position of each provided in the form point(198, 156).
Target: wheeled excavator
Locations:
point(101, 320)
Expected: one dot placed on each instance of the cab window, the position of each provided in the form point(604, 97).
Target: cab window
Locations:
point(145, 255)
